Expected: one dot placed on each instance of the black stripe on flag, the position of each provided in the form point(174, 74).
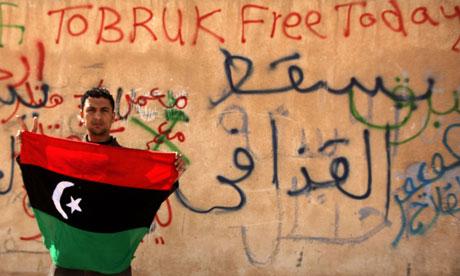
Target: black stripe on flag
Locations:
point(91, 206)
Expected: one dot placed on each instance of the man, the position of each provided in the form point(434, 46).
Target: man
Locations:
point(97, 115)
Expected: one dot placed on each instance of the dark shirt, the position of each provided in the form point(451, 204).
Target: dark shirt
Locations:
point(111, 142)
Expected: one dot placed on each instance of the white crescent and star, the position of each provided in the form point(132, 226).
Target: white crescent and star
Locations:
point(57, 194)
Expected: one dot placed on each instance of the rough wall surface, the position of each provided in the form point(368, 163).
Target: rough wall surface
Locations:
point(323, 137)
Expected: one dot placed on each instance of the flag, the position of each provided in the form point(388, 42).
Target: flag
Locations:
point(93, 203)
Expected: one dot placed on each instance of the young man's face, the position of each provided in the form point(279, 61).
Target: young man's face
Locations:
point(98, 116)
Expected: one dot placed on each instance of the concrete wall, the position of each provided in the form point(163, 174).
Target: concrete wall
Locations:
point(323, 136)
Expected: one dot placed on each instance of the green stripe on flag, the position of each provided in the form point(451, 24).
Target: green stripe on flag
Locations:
point(74, 248)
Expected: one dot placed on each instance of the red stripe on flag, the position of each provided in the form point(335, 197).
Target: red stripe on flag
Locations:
point(104, 164)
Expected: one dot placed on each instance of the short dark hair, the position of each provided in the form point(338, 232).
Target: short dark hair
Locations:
point(98, 92)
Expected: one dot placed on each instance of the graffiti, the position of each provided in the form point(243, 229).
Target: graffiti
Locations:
point(169, 217)
point(295, 230)
point(365, 212)
point(173, 114)
point(296, 78)
point(109, 31)
point(337, 164)
point(9, 186)
point(430, 195)
point(402, 96)
point(10, 246)
point(139, 102)
point(341, 164)
point(243, 161)
point(456, 46)
point(411, 106)
point(326, 149)
point(276, 243)
point(271, 23)
point(291, 24)
point(83, 20)
point(255, 21)
point(294, 235)
point(420, 15)
point(286, 25)
point(16, 89)
point(241, 128)
point(157, 221)
point(3, 26)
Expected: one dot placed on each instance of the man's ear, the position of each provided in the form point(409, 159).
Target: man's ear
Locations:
point(80, 116)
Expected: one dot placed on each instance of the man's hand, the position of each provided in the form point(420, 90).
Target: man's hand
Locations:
point(180, 165)
point(23, 128)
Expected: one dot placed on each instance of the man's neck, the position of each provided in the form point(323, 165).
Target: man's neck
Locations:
point(97, 139)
